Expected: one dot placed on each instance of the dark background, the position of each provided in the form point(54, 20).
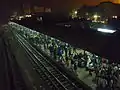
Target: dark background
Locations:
point(7, 7)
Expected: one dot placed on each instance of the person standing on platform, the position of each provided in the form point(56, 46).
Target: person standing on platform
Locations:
point(51, 48)
point(75, 67)
point(60, 52)
point(72, 63)
point(37, 40)
point(67, 62)
point(44, 44)
point(74, 50)
point(109, 75)
point(90, 72)
point(66, 51)
point(47, 42)
point(55, 52)
point(70, 51)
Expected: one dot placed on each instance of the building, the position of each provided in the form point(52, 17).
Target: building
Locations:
point(104, 9)
point(27, 9)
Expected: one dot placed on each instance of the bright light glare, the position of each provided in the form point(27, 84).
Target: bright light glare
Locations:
point(95, 16)
point(75, 12)
point(114, 16)
point(106, 30)
point(21, 16)
point(28, 15)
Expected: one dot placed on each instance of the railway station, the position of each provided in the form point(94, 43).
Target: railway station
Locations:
point(84, 66)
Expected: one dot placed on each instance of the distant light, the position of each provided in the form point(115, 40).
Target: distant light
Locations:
point(86, 13)
point(75, 12)
point(21, 16)
point(41, 18)
point(19, 19)
point(88, 18)
point(11, 18)
point(114, 16)
point(95, 16)
point(94, 21)
point(106, 30)
point(28, 15)
point(106, 20)
point(96, 56)
point(67, 25)
point(102, 21)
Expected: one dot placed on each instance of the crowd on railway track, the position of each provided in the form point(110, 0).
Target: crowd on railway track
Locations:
point(107, 75)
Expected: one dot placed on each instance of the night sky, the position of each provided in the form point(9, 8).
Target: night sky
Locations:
point(8, 6)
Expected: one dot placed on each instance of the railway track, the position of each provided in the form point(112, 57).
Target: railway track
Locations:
point(14, 79)
point(49, 73)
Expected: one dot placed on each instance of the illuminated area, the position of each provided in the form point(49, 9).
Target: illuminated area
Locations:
point(74, 13)
point(20, 17)
point(95, 17)
point(106, 30)
point(88, 61)
point(27, 15)
point(116, 1)
point(114, 16)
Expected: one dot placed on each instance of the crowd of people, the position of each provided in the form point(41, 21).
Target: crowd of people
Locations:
point(106, 75)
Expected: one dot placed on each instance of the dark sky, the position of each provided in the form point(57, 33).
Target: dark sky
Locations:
point(8, 6)
point(69, 2)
